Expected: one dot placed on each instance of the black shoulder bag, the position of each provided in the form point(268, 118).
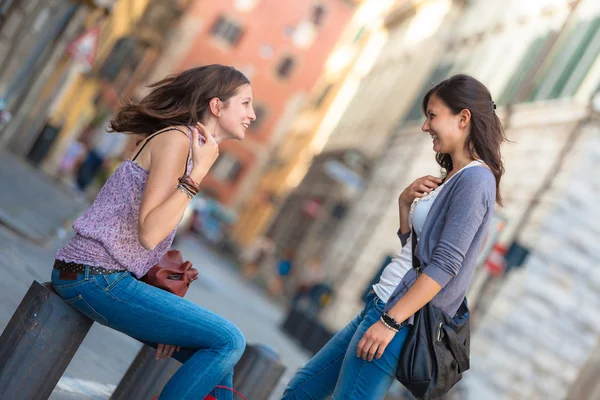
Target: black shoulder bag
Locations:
point(436, 350)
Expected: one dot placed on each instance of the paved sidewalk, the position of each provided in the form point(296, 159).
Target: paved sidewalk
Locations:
point(31, 204)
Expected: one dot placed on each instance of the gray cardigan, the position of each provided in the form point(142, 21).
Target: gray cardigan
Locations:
point(454, 232)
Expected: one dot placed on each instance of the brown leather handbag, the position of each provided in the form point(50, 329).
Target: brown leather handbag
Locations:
point(172, 274)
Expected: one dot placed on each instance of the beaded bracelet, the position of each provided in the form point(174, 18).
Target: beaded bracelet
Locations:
point(185, 191)
point(390, 321)
point(387, 326)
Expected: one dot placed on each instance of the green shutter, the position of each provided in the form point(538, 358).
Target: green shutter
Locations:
point(584, 63)
point(525, 65)
point(563, 64)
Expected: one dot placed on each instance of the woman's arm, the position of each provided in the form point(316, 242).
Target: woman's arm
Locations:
point(163, 204)
point(422, 292)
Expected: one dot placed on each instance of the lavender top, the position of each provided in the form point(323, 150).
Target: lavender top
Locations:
point(107, 234)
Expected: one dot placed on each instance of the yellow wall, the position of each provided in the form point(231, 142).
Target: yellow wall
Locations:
point(76, 108)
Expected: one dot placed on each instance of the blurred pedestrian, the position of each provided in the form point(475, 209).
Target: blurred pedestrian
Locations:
point(360, 361)
point(284, 270)
point(104, 146)
point(258, 255)
point(131, 225)
point(310, 276)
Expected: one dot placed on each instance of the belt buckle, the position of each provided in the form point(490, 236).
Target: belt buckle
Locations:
point(67, 275)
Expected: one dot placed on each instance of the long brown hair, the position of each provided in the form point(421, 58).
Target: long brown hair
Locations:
point(465, 92)
point(180, 99)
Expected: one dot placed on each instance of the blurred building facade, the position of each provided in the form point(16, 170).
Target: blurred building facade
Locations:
point(540, 61)
point(346, 66)
point(104, 58)
point(283, 57)
point(34, 36)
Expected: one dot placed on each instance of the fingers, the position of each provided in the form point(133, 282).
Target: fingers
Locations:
point(171, 351)
point(380, 351)
point(372, 351)
point(368, 350)
point(424, 188)
point(433, 179)
point(208, 138)
point(165, 351)
point(159, 350)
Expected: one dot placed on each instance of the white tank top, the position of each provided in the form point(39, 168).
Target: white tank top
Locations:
point(402, 263)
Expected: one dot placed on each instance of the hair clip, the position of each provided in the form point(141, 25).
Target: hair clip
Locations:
point(493, 105)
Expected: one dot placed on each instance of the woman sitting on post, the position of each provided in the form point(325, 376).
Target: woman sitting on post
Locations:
point(450, 217)
point(133, 220)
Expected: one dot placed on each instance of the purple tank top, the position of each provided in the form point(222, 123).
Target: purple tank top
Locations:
point(107, 234)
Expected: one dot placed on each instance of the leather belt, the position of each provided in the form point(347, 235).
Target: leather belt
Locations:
point(70, 270)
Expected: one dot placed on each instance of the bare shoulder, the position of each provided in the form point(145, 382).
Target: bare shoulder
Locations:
point(170, 146)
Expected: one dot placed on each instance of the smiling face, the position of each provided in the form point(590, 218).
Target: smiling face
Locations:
point(447, 130)
point(236, 115)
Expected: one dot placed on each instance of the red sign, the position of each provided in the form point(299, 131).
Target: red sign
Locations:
point(83, 49)
point(311, 208)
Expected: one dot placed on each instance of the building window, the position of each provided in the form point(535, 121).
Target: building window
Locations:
point(227, 168)
point(261, 112)
point(284, 69)
point(124, 54)
point(317, 14)
point(228, 30)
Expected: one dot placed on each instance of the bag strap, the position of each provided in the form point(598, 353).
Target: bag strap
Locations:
point(149, 138)
point(415, 260)
point(230, 389)
point(458, 350)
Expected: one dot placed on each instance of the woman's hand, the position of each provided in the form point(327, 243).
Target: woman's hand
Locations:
point(374, 341)
point(419, 188)
point(166, 351)
point(205, 151)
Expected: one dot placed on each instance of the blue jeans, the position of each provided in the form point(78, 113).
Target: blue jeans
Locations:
point(336, 370)
point(210, 345)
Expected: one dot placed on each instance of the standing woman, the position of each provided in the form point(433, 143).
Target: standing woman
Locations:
point(131, 225)
point(450, 217)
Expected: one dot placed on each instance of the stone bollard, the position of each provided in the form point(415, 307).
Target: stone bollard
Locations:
point(38, 343)
point(145, 377)
point(255, 376)
point(258, 371)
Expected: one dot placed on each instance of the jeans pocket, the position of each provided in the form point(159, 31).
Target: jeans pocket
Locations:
point(378, 304)
point(79, 303)
point(110, 281)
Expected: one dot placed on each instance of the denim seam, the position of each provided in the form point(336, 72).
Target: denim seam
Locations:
point(356, 380)
point(119, 279)
point(80, 298)
point(319, 373)
point(70, 285)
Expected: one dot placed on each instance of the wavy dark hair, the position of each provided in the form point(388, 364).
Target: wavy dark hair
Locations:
point(180, 99)
point(462, 92)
